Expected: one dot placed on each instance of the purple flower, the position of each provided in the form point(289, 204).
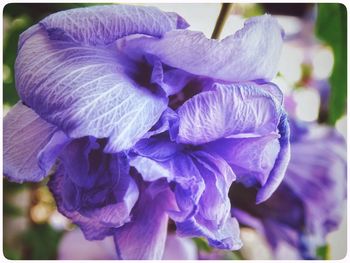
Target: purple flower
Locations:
point(227, 132)
point(310, 201)
point(145, 121)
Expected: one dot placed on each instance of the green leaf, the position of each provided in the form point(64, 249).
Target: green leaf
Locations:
point(323, 252)
point(331, 27)
point(202, 244)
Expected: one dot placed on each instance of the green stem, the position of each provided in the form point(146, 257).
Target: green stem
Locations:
point(220, 22)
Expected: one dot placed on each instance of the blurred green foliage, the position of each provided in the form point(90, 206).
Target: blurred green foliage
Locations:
point(323, 252)
point(331, 27)
point(202, 244)
point(42, 241)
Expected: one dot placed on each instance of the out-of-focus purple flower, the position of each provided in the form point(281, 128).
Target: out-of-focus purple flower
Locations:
point(310, 201)
point(180, 248)
point(108, 89)
point(74, 246)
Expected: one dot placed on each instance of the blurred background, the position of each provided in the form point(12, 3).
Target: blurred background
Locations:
point(312, 71)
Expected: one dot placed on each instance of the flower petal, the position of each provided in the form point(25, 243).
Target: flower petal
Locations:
point(98, 197)
point(31, 145)
point(144, 236)
point(227, 237)
point(252, 53)
point(151, 170)
point(252, 158)
point(226, 111)
point(213, 220)
point(86, 91)
point(278, 171)
point(102, 25)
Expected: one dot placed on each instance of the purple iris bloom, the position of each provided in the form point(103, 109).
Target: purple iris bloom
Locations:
point(142, 120)
point(311, 199)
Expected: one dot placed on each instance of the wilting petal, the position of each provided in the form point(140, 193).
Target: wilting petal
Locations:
point(99, 196)
point(101, 25)
point(189, 186)
point(212, 219)
point(226, 111)
point(214, 204)
point(31, 145)
point(85, 91)
point(144, 236)
point(252, 53)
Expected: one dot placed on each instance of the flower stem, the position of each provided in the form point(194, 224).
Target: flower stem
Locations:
point(220, 22)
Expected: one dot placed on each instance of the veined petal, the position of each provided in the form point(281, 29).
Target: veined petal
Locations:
point(228, 110)
point(101, 25)
point(31, 145)
point(252, 53)
point(85, 91)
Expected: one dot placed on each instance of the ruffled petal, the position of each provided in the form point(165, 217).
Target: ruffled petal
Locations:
point(212, 219)
point(227, 111)
point(251, 158)
point(102, 25)
point(86, 91)
point(94, 189)
point(31, 145)
point(144, 236)
point(252, 53)
point(227, 237)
